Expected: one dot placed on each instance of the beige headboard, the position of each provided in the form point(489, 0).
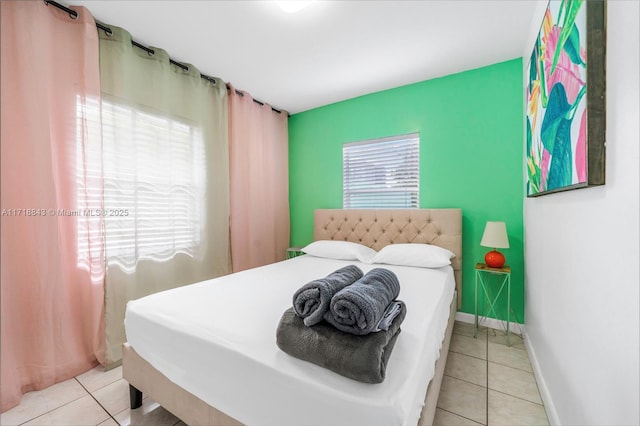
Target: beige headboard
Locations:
point(377, 228)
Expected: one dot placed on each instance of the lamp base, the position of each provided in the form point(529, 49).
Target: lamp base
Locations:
point(494, 259)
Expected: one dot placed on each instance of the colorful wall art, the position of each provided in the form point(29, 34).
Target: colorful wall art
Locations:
point(565, 99)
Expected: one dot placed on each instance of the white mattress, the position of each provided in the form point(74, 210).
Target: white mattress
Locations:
point(216, 339)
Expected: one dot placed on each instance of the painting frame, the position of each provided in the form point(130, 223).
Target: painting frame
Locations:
point(562, 153)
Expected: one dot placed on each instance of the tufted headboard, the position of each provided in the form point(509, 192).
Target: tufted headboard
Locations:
point(377, 228)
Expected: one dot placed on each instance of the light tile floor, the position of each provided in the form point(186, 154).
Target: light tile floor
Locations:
point(92, 398)
point(485, 382)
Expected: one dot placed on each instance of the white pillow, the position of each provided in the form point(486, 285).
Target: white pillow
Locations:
point(420, 255)
point(343, 250)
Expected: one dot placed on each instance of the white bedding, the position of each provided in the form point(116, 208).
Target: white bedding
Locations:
point(216, 339)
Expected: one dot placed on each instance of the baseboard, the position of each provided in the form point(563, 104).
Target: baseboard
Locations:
point(515, 327)
point(550, 408)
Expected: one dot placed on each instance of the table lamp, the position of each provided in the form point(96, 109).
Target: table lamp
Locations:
point(495, 236)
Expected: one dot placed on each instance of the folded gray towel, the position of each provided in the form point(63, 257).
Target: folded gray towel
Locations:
point(362, 358)
point(358, 308)
point(312, 300)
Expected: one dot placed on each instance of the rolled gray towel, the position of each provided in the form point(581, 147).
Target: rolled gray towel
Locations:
point(312, 300)
point(362, 358)
point(358, 308)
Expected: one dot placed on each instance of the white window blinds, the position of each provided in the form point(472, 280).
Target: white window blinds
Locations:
point(154, 171)
point(154, 185)
point(382, 173)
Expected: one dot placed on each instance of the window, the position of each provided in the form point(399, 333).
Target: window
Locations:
point(89, 231)
point(154, 185)
point(382, 173)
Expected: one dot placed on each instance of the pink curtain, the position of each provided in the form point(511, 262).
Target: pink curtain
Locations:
point(52, 250)
point(259, 169)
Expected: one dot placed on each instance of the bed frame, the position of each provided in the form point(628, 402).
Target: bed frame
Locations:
point(374, 228)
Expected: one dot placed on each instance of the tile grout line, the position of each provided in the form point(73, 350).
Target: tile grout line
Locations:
point(98, 402)
point(471, 356)
point(455, 414)
point(464, 380)
point(33, 418)
point(517, 397)
point(494, 362)
point(486, 418)
point(511, 366)
point(53, 409)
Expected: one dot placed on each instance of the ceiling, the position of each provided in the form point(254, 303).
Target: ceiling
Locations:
point(331, 50)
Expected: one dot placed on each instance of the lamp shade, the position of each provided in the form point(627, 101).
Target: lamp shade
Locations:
point(495, 235)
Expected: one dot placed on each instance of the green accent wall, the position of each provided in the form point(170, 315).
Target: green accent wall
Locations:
point(471, 157)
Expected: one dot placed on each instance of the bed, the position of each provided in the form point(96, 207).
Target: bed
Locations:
point(189, 351)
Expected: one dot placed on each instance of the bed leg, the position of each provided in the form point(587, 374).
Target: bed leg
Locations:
point(135, 397)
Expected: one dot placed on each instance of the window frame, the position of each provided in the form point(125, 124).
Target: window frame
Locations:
point(181, 201)
point(395, 183)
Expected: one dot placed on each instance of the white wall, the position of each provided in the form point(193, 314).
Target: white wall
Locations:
point(581, 257)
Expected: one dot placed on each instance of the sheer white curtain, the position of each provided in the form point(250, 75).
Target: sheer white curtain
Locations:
point(166, 177)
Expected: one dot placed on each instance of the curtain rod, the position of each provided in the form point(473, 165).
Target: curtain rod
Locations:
point(74, 15)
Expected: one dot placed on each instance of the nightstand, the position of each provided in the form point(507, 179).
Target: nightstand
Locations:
point(488, 279)
point(294, 252)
